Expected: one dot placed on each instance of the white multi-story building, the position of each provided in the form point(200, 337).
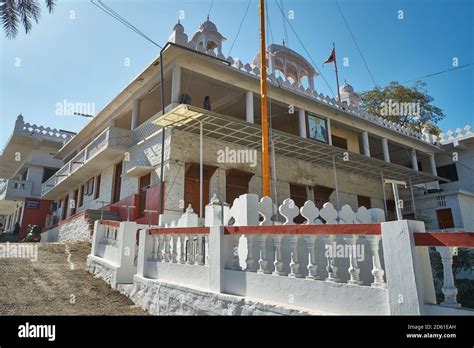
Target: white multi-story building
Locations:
point(27, 161)
point(450, 206)
point(322, 149)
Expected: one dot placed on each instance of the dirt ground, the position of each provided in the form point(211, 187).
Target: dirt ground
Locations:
point(48, 286)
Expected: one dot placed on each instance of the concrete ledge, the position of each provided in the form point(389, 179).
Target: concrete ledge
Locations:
point(159, 298)
point(102, 269)
point(440, 310)
point(317, 295)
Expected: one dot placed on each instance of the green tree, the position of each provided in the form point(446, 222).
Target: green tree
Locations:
point(14, 13)
point(409, 106)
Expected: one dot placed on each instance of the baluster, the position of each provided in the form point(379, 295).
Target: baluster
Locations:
point(154, 250)
point(159, 248)
point(312, 267)
point(449, 289)
point(377, 270)
point(166, 254)
point(263, 262)
point(277, 263)
point(331, 267)
point(174, 253)
point(190, 250)
point(182, 248)
point(294, 265)
point(235, 252)
point(199, 259)
point(354, 270)
point(251, 264)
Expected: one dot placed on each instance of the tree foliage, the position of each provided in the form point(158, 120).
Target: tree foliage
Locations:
point(14, 13)
point(393, 101)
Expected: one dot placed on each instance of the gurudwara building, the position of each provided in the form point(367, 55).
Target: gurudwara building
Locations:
point(323, 149)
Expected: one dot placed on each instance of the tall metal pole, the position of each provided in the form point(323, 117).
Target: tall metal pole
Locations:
point(384, 194)
point(162, 164)
point(335, 181)
point(201, 170)
point(337, 74)
point(264, 110)
point(412, 198)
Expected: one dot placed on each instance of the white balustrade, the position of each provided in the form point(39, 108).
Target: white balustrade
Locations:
point(449, 289)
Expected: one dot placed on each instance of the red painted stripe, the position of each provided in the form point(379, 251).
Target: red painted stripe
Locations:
point(456, 239)
point(365, 229)
point(180, 230)
point(112, 223)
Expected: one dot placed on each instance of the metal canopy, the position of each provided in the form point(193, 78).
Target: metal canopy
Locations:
point(236, 131)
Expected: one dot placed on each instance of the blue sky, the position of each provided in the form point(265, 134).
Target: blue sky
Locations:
point(81, 59)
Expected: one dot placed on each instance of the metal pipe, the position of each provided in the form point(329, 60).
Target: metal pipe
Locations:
point(264, 106)
point(335, 181)
point(384, 194)
point(412, 198)
point(201, 170)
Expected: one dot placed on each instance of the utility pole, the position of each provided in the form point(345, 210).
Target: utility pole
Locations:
point(264, 109)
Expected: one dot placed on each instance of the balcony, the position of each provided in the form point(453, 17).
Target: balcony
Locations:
point(90, 161)
point(15, 189)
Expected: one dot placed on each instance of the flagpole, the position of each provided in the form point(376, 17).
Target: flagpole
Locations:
point(337, 75)
point(263, 92)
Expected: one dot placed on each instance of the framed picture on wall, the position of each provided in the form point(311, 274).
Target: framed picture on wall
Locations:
point(317, 128)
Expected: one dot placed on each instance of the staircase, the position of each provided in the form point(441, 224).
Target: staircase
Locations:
point(93, 215)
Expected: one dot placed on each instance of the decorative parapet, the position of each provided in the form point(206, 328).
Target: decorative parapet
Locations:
point(455, 136)
point(32, 130)
point(254, 70)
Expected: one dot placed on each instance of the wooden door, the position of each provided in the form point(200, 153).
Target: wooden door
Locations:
point(237, 183)
point(144, 185)
point(445, 218)
point(117, 183)
point(191, 186)
point(191, 194)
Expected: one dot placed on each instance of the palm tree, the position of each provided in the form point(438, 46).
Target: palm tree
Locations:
point(14, 12)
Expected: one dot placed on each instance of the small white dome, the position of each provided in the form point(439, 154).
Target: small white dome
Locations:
point(346, 88)
point(207, 26)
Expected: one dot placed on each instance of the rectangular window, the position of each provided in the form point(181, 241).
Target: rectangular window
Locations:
point(364, 201)
point(299, 195)
point(449, 172)
point(81, 196)
point(322, 195)
point(97, 187)
point(339, 142)
point(236, 184)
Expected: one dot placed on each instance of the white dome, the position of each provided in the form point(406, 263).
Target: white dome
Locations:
point(208, 26)
point(346, 88)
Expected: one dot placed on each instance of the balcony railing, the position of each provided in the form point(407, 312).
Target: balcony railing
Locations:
point(112, 137)
point(15, 189)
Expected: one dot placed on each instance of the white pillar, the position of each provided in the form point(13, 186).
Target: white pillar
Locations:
point(365, 143)
point(135, 113)
point(386, 153)
point(175, 84)
point(249, 107)
point(433, 165)
point(302, 123)
point(414, 161)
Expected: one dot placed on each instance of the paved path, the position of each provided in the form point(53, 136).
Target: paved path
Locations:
point(48, 285)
